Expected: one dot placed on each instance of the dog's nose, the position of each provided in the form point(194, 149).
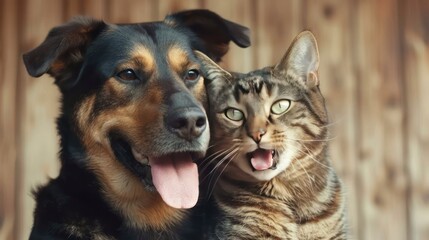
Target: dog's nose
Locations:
point(187, 123)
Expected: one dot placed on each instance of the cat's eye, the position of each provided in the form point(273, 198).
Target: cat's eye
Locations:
point(234, 114)
point(127, 75)
point(192, 75)
point(280, 107)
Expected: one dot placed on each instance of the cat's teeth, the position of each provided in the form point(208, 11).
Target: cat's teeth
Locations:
point(273, 153)
point(140, 157)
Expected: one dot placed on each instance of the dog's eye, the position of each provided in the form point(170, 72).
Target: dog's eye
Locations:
point(128, 75)
point(192, 75)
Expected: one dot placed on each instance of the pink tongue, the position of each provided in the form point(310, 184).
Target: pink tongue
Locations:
point(176, 179)
point(262, 159)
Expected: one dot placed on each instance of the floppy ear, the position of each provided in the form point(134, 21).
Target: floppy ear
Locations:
point(214, 76)
point(61, 54)
point(213, 31)
point(301, 61)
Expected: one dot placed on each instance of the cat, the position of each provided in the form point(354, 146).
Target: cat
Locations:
point(269, 151)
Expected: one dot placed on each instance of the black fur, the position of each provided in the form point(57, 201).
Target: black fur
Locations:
point(72, 206)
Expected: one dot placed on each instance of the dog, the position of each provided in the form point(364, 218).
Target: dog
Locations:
point(131, 127)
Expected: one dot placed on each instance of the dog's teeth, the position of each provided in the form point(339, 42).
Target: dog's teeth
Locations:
point(140, 158)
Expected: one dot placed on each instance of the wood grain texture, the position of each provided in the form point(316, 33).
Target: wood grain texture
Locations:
point(166, 7)
point(237, 59)
point(39, 105)
point(374, 74)
point(93, 8)
point(416, 79)
point(126, 11)
point(381, 173)
point(8, 106)
point(331, 22)
point(277, 23)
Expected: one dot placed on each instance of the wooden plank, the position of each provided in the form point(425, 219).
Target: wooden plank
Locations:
point(93, 8)
point(38, 109)
point(126, 11)
point(416, 54)
point(277, 23)
point(237, 59)
point(170, 6)
point(8, 75)
point(381, 176)
point(331, 22)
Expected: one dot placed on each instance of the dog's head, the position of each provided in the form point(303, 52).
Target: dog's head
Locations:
point(133, 97)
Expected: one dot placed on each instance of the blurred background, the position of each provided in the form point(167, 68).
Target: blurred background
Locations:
point(374, 74)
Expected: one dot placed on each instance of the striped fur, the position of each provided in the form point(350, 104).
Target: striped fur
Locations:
point(300, 197)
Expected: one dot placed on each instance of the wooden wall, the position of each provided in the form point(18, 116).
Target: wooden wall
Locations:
point(374, 74)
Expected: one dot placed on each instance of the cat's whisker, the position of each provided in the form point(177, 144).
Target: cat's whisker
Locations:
point(221, 172)
point(311, 140)
point(311, 155)
point(282, 136)
point(311, 179)
point(216, 154)
point(308, 154)
point(331, 124)
point(230, 151)
point(290, 174)
point(212, 184)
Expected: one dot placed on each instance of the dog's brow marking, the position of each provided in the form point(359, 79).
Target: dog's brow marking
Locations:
point(177, 58)
point(144, 57)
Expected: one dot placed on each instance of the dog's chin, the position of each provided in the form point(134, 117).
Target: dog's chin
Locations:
point(139, 163)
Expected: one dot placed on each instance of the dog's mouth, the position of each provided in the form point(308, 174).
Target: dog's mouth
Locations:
point(263, 159)
point(173, 175)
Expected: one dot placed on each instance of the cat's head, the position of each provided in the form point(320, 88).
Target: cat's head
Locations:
point(265, 120)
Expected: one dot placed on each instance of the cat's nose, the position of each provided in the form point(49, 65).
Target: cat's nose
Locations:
point(257, 135)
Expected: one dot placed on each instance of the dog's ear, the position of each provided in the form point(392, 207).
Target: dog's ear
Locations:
point(213, 32)
point(61, 53)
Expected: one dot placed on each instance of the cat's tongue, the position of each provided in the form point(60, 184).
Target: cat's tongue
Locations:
point(261, 159)
point(175, 178)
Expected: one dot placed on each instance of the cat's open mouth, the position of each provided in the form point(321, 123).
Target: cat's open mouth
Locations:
point(263, 159)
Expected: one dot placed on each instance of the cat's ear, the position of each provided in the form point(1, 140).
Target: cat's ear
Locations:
point(301, 61)
point(214, 75)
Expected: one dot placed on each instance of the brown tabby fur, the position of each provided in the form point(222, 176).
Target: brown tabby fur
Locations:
point(300, 197)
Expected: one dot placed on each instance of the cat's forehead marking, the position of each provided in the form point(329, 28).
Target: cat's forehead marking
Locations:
point(249, 85)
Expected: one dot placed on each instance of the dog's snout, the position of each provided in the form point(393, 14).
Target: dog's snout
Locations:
point(184, 117)
point(188, 123)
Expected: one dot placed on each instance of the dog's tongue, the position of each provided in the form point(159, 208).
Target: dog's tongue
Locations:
point(175, 177)
point(261, 159)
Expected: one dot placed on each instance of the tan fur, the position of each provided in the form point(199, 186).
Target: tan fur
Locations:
point(142, 58)
point(141, 208)
point(177, 58)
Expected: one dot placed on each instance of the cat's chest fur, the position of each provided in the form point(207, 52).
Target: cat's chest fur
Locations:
point(277, 210)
